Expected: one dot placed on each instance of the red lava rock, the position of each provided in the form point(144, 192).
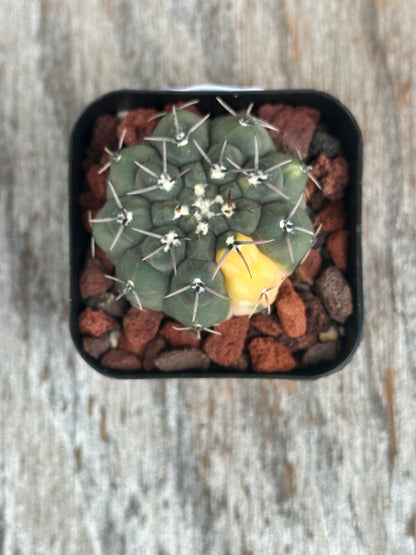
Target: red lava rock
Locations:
point(332, 216)
point(140, 326)
point(268, 355)
point(318, 320)
point(309, 269)
point(151, 352)
point(89, 201)
point(267, 324)
point(126, 345)
point(137, 125)
point(98, 182)
point(296, 344)
point(105, 157)
point(96, 346)
point(96, 322)
point(290, 310)
point(118, 359)
point(321, 351)
point(182, 359)
point(86, 164)
point(179, 338)
point(314, 197)
point(88, 213)
point(337, 246)
point(103, 134)
point(105, 260)
point(224, 349)
point(335, 293)
point(297, 126)
point(332, 174)
point(93, 280)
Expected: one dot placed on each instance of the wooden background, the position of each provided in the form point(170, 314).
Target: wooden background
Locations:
point(90, 465)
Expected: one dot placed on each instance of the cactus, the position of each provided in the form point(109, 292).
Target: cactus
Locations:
point(204, 219)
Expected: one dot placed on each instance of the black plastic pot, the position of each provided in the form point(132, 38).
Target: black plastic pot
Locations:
point(337, 120)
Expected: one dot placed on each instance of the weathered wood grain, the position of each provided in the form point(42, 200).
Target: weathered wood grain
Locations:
point(89, 465)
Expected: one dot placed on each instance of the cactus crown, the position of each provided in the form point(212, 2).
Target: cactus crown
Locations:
point(204, 218)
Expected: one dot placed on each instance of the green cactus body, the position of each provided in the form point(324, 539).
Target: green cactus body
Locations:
point(124, 168)
point(204, 219)
point(113, 227)
point(241, 133)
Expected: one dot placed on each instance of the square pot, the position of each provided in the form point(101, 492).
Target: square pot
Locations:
point(335, 118)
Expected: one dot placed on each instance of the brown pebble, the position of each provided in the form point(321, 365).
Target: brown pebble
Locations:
point(313, 195)
point(104, 259)
point(320, 352)
point(224, 349)
point(332, 174)
point(89, 201)
point(268, 355)
point(117, 359)
point(179, 337)
point(98, 182)
point(87, 214)
point(332, 216)
point(296, 126)
point(140, 326)
point(182, 359)
point(337, 246)
point(290, 310)
point(152, 350)
point(335, 293)
point(104, 159)
point(267, 324)
point(103, 134)
point(96, 322)
point(309, 269)
point(92, 280)
point(317, 318)
point(87, 163)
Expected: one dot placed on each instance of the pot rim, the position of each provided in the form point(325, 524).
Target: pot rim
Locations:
point(334, 114)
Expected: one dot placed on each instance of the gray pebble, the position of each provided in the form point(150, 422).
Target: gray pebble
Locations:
point(152, 351)
point(182, 359)
point(324, 143)
point(96, 346)
point(108, 303)
point(335, 294)
point(320, 352)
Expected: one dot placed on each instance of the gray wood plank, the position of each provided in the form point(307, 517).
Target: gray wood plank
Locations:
point(89, 465)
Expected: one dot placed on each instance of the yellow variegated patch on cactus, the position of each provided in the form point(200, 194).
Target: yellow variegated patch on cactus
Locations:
point(245, 289)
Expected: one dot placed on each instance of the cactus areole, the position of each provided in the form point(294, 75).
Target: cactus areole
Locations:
point(204, 219)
